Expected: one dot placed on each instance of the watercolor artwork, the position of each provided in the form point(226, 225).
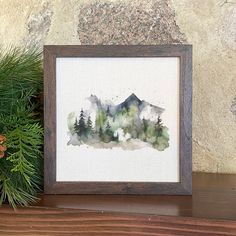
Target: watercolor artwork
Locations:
point(132, 124)
point(117, 119)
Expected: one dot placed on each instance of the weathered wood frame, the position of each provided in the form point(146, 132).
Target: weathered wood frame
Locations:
point(184, 187)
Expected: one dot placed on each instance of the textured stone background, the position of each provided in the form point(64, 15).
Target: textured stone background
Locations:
point(209, 25)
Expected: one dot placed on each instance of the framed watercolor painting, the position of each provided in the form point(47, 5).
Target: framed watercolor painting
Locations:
point(118, 119)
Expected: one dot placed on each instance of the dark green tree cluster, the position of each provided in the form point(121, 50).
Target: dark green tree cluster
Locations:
point(159, 127)
point(107, 134)
point(155, 133)
point(21, 125)
point(128, 120)
point(82, 128)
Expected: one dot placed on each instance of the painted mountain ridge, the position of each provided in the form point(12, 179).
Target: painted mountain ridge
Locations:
point(132, 100)
point(131, 124)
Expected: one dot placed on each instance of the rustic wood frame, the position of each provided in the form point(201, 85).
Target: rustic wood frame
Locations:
point(184, 187)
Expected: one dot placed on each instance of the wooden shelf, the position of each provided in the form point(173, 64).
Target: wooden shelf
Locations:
point(210, 211)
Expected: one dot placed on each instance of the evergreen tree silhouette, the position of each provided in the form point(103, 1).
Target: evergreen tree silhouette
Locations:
point(76, 126)
point(108, 111)
point(81, 125)
point(159, 126)
point(108, 130)
point(145, 125)
point(100, 133)
point(89, 125)
point(159, 121)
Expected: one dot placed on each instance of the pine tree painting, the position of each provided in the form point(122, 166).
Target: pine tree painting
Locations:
point(127, 125)
point(82, 129)
point(89, 126)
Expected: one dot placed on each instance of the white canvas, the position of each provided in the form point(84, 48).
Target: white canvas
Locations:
point(155, 80)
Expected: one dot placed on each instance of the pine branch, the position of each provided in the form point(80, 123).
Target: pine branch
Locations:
point(20, 84)
point(20, 78)
point(14, 194)
point(24, 144)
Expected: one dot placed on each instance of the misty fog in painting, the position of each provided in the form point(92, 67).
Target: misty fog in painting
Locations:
point(130, 125)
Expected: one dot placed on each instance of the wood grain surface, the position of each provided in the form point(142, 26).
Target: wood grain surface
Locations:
point(214, 197)
point(210, 211)
point(37, 221)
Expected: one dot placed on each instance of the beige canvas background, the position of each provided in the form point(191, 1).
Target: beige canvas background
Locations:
point(154, 80)
point(209, 25)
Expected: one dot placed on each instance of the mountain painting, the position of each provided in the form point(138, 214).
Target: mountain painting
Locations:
point(130, 125)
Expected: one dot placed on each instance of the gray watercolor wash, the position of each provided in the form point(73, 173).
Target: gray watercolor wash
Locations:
point(130, 125)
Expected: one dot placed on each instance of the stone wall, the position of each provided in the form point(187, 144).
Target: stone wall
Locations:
point(209, 25)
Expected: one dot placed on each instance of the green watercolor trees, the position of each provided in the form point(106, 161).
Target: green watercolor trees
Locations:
point(123, 125)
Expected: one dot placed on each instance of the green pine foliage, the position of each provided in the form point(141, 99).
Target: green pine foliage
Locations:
point(20, 122)
point(89, 126)
point(82, 130)
point(125, 120)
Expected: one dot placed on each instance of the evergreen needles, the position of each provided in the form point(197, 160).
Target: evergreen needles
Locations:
point(20, 123)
